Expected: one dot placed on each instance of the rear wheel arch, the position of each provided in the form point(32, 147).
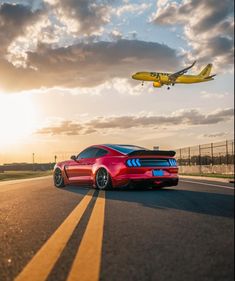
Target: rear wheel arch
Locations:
point(107, 183)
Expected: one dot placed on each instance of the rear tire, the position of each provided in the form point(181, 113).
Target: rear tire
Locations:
point(58, 178)
point(102, 179)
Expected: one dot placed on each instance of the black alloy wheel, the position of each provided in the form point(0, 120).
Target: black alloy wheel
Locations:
point(58, 178)
point(102, 179)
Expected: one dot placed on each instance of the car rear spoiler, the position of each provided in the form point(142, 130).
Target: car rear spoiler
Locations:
point(169, 153)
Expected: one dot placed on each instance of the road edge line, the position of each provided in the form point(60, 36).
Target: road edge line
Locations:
point(11, 182)
point(210, 184)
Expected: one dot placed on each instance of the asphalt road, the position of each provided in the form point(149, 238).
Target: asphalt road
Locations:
point(181, 233)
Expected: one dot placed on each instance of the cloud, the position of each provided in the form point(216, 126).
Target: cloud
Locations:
point(206, 95)
point(215, 135)
point(66, 126)
point(29, 23)
point(14, 19)
point(186, 118)
point(131, 8)
point(85, 64)
point(82, 17)
point(115, 35)
point(208, 27)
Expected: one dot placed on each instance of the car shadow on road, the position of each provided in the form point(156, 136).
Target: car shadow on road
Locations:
point(215, 204)
point(77, 189)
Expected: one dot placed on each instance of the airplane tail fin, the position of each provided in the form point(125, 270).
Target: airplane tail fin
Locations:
point(206, 71)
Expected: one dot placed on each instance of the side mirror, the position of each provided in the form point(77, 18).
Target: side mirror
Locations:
point(73, 157)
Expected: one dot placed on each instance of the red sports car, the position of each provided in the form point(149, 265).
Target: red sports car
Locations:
point(114, 165)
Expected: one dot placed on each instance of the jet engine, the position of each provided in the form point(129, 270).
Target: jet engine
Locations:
point(157, 84)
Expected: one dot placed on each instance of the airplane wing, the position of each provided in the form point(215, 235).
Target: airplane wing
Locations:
point(175, 75)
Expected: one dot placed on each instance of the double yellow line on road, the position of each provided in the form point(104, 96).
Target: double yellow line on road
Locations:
point(86, 265)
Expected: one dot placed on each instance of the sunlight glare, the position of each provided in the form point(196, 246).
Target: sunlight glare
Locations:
point(18, 116)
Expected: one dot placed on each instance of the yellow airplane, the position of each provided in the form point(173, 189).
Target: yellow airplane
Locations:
point(159, 79)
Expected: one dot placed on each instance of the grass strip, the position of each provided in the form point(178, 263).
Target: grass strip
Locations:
point(222, 176)
point(16, 175)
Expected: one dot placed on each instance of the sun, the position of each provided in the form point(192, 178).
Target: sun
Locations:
point(18, 116)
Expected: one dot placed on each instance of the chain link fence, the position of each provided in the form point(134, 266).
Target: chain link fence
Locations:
point(207, 154)
point(211, 157)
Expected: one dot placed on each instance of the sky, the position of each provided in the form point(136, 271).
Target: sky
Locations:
point(66, 66)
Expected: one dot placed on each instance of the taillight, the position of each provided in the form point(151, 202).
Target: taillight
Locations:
point(173, 170)
point(172, 162)
point(133, 162)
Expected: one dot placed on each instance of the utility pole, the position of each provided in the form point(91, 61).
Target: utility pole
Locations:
point(55, 157)
point(33, 160)
point(200, 159)
point(189, 157)
point(212, 154)
point(227, 160)
point(180, 157)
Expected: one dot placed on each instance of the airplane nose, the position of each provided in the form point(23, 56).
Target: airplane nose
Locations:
point(134, 76)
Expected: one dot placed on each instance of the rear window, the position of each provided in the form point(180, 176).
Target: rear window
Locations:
point(125, 149)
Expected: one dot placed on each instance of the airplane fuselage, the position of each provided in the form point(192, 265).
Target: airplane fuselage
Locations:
point(163, 78)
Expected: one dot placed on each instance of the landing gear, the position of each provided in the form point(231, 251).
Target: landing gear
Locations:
point(142, 83)
point(168, 88)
